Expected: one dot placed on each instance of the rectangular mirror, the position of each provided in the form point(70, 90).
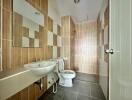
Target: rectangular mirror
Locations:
point(27, 25)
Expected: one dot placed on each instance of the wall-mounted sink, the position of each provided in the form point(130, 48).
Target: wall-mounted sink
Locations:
point(41, 67)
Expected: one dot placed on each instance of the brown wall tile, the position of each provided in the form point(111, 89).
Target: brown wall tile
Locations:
point(58, 51)
point(50, 24)
point(106, 16)
point(54, 39)
point(31, 91)
point(14, 57)
point(38, 54)
point(68, 38)
point(25, 32)
point(16, 60)
point(7, 4)
point(44, 6)
point(6, 54)
point(24, 55)
point(58, 30)
point(18, 30)
point(31, 55)
point(15, 97)
point(86, 47)
point(31, 42)
point(37, 4)
point(0, 25)
point(41, 5)
point(6, 24)
point(24, 94)
point(49, 52)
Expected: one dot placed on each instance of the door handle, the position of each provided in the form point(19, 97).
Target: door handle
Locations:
point(111, 51)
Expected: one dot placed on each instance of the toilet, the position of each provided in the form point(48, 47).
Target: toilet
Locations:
point(65, 76)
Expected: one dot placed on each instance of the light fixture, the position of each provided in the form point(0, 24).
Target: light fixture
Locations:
point(76, 1)
point(37, 13)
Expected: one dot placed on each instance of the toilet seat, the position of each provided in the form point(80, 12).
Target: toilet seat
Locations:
point(68, 74)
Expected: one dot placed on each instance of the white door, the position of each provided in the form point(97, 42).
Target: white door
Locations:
point(120, 74)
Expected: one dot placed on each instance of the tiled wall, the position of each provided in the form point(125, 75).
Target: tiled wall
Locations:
point(86, 47)
point(26, 33)
point(68, 36)
point(103, 44)
point(54, 39)
point(14, 57)
point(0, 38)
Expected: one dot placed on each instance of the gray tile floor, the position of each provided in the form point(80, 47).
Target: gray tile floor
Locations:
point(85, 88)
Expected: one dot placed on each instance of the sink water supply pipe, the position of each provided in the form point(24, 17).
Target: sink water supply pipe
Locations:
point(55, 86)
point(39, 83)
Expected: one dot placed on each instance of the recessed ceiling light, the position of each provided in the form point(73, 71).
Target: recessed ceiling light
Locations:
point(76, 1)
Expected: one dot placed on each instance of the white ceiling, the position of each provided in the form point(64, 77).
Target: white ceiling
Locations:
point(84, 10)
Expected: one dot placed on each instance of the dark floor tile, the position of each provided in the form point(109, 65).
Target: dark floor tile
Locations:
point(85, 89)
point(97, 94)
point(95, 86)
point(53, 97)
point(86, 77)
point(82, 83)
point(71, 89)
point(83, 97)
point(70, 95)
point(58, 97)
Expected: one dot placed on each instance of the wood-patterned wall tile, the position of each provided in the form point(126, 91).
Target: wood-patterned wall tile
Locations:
point(37, 53)
point(31, 92)
point(0, 24)
point(25, 31)
point(106, 16)
point(86, 47)
point(16, 60)
point(46, 21)
point(24, 94)
point(6, 54)
point(17, 30)
point(54, 39)
point(58, 30)
point(6, 24)
point(37, 4)
point(7, 4)
point(44, 6)
point(24, 55)
point(58, 51)
point(31, 42)
point(42, 53)
point(17, 96)
point(50, 24)
point(37, 91)
point(50, 52)
point(31, 55)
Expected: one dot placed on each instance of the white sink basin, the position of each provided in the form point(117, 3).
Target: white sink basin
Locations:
point(41, 67)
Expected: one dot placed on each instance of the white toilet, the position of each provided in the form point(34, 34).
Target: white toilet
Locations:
point(65, 76)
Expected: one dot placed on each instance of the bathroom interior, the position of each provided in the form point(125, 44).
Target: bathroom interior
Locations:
point(59, 50)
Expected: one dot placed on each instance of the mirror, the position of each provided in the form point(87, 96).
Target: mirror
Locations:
point(28, 23)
